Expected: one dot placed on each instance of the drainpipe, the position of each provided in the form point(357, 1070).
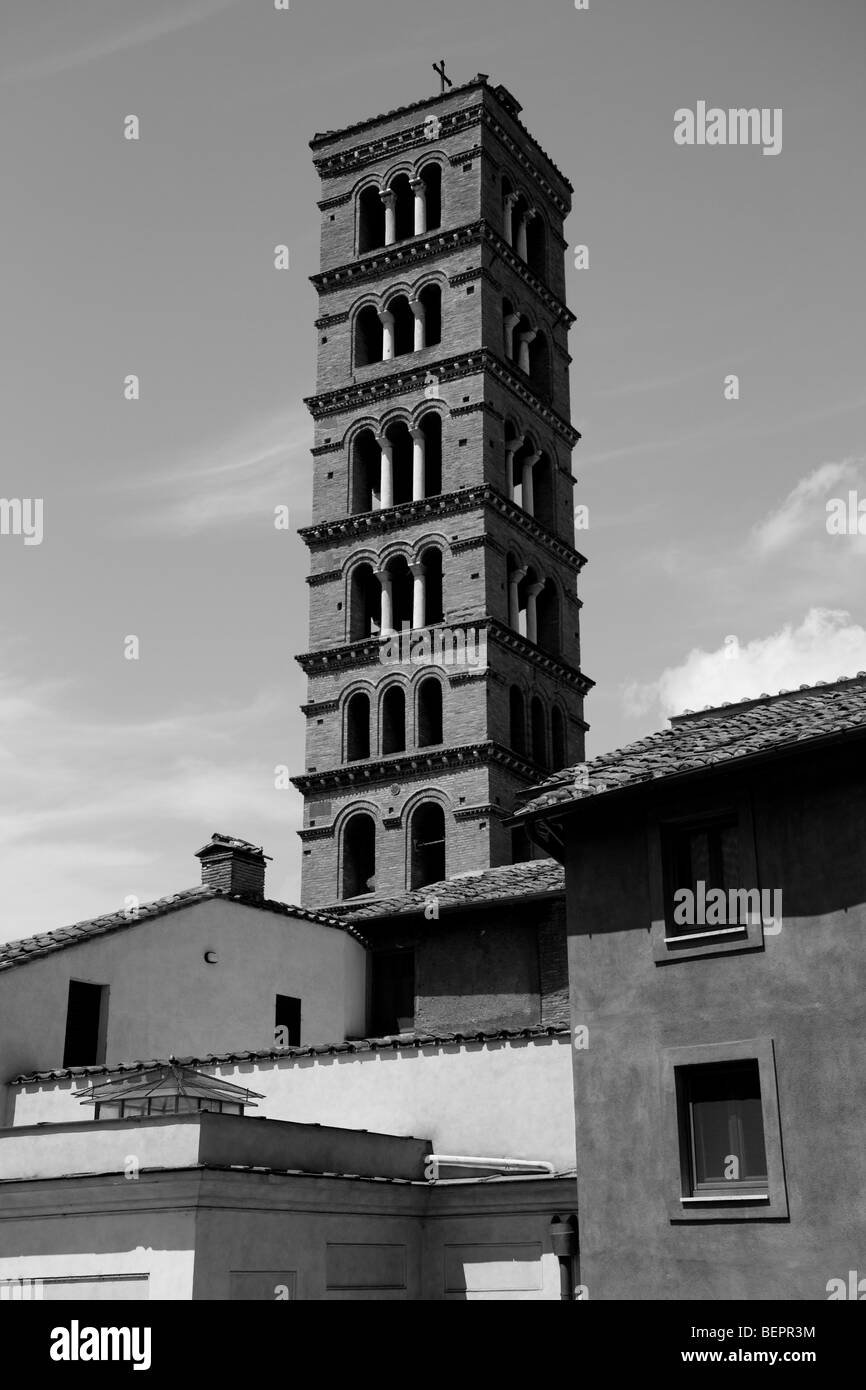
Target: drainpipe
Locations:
point(563, 1237)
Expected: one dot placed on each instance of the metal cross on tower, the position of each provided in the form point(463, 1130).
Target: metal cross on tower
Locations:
point(440, 68)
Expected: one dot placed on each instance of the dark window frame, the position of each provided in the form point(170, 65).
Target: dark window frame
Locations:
point(737, 1200)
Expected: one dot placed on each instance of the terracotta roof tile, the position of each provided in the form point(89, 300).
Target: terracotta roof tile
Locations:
point(390, 1042)
point(43, 943)
point(703, 740)
point(530, 879)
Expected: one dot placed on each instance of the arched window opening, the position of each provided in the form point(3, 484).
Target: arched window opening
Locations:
point(404, 325)
point(394, 720)
point(517, 721)
point(539, 364)
point(521, 846)
point(427, 845)
point(547, 617)
point(432, 177)
point(366, 473)
point(536, 246)
point(542, 486)
point(368, 337)
point(371, 221)
point(429, 712)
point(404, 203)
point(359, 855)
point(559, 750)
point(402, 588)
point(433, 595)
point(365, 603)
point(401, 453)
point(358, 727)
point(538, 725)
point(431, 304)
point(431, 427)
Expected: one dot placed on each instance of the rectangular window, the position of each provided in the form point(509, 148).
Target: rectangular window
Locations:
point(722, 1128)
point(705, 853)
point(393, 992)
point(287, 1021)
point(86, 1020)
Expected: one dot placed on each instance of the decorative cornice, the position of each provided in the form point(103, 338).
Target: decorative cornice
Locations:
point(461, 157)
point(316, 832)
point(328, 319)
point(325, 204)
point(412, 380)
point(327, 448)
point(326, 577)
point(352, 655)
point(414, 250)
point(445, 504)
point(331, 166)
point(486, 810)
point(314, 707)
point(422, 763)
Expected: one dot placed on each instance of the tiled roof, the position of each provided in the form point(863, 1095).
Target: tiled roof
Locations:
point(709, 739)
point(32, 947)
point(392, 1042)
point(476, 889)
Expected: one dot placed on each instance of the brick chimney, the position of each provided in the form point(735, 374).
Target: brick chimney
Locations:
point(232, 865)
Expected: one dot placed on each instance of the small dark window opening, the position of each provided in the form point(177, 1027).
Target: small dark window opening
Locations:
point(428, 845)
point(392, 996)
point(359, 855)
point(84, 1045)
point(708, 853)
point(287, 1015)
point(394, 720)
point(722, 1128)
point(521, 846)
point(358, 727)
point(429, 712)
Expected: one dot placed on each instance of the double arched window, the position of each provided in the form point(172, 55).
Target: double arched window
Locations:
point(524, 228)
point(533, 606)
point(408, 205)
point(529, 476)
point(402, 464)
point(526, 346)
point(406, 323)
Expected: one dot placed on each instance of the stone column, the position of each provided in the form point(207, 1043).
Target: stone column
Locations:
point(386, 318)
point(523, 355)
point(531, 616)
point(509, 323)
point(514, 580)
point(510, 200)
point(528, 495)
point(418, 315)
point(419, 188)
point(387, 624)
point(419, 481)
point(386, 477)
point(418, 595)
point(511, 448)
point(389, 198)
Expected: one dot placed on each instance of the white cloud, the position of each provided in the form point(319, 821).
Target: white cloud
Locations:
point(804, 510)
point(826, 645)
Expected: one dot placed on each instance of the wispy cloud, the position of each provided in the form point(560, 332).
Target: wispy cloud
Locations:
point(94, 809)
point(237, 479)
point(804, 510)
point(825, 645)
point(105, 46)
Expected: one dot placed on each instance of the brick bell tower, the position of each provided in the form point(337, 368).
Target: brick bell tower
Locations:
point(443, 504)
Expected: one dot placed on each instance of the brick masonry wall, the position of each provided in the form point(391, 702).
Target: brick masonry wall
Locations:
point(498, 967)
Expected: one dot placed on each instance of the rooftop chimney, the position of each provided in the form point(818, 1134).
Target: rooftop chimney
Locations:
point(232, 865)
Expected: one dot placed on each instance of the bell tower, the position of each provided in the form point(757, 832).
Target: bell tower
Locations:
point(443, 662)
